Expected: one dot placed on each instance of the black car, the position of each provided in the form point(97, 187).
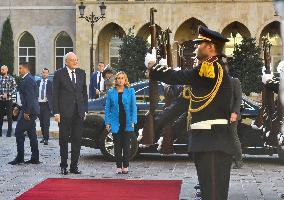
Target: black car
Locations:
point(95, 135)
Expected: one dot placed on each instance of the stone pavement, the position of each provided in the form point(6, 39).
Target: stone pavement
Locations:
point(261, 177)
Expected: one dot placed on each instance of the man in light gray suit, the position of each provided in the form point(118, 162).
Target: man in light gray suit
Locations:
point(236, 101)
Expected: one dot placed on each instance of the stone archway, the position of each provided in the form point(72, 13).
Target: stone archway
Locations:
point(109, 40)
point(183, 48)
point(145, 33)
point(235, 32)
point(272, 32)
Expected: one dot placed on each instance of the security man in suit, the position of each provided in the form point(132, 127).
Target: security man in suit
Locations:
point(236, 102)
point(97, 82)
point(209, 112)
point(26, 121)
point(45, 103)
point(70, 104)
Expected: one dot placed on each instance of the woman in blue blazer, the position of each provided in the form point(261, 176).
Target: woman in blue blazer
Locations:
point(120, 117)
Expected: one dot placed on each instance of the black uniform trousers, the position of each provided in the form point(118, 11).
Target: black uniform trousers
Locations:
point(70, 126)
point(28, 126)
point(44, 117)
point(6, 109)
point(213, 170)
point(122, 148)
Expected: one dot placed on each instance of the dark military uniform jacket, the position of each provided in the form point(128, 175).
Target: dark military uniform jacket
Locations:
point(219, 138)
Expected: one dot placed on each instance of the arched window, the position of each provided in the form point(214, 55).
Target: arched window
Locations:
point(27, 51)
point(114, 47)
point(235, 32)
point(63, 45)
point(272, 32)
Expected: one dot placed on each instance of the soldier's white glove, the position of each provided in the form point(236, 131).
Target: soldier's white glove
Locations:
point(280, 138)
point(163, 61)
point(150, 57)
point(162, 68)
point(266, 77)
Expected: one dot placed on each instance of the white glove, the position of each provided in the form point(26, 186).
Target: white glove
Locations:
point(266, 77)
point(163, 61)
point(150, 57)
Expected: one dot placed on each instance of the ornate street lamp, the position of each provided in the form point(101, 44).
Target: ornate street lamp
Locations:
point(278, 7)
point(92, 18)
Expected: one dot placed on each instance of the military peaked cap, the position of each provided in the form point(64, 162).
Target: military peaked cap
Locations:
point(207, 35)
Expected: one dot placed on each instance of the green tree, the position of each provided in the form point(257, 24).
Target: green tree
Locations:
point(131, 56)
point(246, 65)
point(7, 46)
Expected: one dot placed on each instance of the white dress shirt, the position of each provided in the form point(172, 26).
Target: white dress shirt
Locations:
point(40, 88)
point(70, 74)
point(102, 83)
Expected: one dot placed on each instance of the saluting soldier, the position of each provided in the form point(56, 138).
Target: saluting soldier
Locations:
point(209, 112)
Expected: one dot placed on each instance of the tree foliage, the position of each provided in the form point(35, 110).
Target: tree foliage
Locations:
point(131, 56)
point(7, 46)
point(246, 65)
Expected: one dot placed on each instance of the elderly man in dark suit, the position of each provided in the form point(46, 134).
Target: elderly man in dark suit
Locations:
point(70, 104)
point(45, 103)
point(26, 121)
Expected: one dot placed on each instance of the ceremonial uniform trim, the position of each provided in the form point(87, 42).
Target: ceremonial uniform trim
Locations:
point(208, 124)
point(202, 39)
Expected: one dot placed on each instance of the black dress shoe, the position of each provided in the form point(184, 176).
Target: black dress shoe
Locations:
point(33, 162)
point(75, 171)
point(16, 162)
point(64, 171)
point(45, 142)
point(42, 141)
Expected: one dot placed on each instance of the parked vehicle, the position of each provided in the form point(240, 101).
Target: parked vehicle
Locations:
point(95, 135)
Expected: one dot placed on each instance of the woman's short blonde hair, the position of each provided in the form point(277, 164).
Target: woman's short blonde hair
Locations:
point(127, 84)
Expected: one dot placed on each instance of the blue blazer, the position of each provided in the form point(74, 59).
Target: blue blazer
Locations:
point(29, 95)
point(48, 92)
point(112, 109)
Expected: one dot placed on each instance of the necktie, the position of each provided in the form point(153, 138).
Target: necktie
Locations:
point(73, 78)
point(99, 84)
point(42, 90)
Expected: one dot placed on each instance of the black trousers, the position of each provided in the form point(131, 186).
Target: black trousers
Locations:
point(213, 170)
point(70, 126)
point(44, 117)
point(28, 126)
point(121, 148)
point(6, 109)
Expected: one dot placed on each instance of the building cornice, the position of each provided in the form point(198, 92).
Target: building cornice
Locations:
point(37, 7)
point(174, 1)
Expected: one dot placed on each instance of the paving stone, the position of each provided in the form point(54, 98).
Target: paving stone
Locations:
point(262, 177)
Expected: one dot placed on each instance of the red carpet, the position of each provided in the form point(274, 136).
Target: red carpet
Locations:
point(103, 189)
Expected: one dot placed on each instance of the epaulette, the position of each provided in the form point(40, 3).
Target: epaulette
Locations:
point(207, 68)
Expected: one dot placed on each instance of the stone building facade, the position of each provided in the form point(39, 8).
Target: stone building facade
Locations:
point(40, 28)
point(235, 19)
point(56, 28)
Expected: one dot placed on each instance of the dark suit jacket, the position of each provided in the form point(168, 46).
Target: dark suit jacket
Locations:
point(237, 96)
point(29, 95)
point(93, 85)
point(48, 92)
point(65, 95)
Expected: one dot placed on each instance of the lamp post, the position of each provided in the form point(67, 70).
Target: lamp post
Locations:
point(92, 18)
point(279, 10)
